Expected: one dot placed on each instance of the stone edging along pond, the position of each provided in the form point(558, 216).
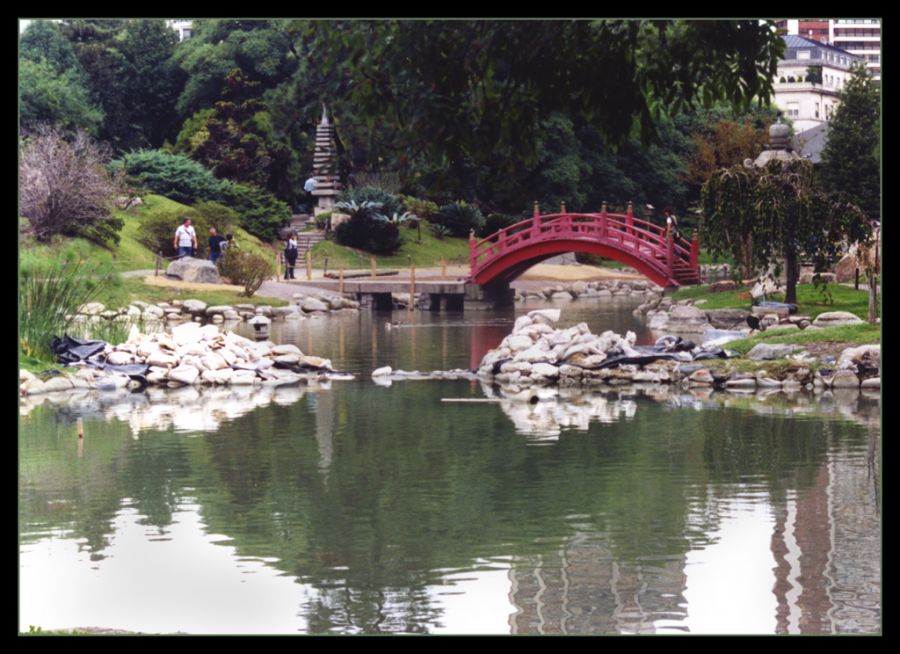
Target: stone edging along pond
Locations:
point(537, 353)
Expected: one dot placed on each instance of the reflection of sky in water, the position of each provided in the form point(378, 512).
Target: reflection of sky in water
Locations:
point(184, 580)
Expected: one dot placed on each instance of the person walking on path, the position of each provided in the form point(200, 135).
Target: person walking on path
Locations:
point(215, 245)
point(290, 256)
point(185, 239)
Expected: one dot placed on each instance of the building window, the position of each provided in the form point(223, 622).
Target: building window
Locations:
point(817, 110)
point(793, 109)
point(802, 54)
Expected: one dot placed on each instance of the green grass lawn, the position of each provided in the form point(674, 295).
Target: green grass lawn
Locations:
point(129, 254)
point(810, 300)
point(128, 289)
point(857, 334)
point(428, 253)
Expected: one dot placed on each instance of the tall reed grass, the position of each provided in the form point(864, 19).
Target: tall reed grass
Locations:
point(50, 292)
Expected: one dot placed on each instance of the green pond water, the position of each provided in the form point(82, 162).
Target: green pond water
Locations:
point(348, 507)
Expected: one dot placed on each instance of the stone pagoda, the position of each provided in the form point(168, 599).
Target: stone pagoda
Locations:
point(328, 184)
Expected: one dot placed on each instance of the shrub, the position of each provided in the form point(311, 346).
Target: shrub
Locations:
point(782, 80)
point(245, 269)
point(368, 229)
point(459, 218)
point(172, 175)
point(186, 181)
point(158, 227)
point(439, 231)
point(321, 220)
point(422, 208)
point(262, 214)
point(66, 189)
point(390, 203)
point(497, 221)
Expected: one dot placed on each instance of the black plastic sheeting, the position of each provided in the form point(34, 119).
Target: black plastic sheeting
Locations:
point(70, 350)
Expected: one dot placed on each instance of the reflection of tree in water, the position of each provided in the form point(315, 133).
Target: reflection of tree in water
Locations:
point(411, 491)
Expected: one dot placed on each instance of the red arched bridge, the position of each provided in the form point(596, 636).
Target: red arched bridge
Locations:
point(506, 254)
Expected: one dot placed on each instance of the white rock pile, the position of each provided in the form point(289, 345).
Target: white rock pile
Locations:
point(191, 355)
point(538, 353)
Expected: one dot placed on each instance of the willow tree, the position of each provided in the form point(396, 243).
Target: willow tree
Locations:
point(775, 215)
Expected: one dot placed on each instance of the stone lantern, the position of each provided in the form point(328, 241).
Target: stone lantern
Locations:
point(779, 145)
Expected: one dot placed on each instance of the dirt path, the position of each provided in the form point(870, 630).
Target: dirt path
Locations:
point(538, 276)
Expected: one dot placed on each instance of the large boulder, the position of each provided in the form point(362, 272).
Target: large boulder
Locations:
point(727, 318)
point(836, 318)
point(196, 307)
point(188, 269)
point(687, 318)
point(765, 351)
point(312, 304)
point(845, 270)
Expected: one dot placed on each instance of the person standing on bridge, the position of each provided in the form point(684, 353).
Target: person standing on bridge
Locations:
point(671, 224)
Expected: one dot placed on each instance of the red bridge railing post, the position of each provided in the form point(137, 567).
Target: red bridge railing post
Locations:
point(670, 237)
point(629, 223)
point(695, 250)
point(536, 222)
point(603, 221)
point(472, 252)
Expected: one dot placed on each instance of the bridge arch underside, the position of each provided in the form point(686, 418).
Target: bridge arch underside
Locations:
point(511, 265)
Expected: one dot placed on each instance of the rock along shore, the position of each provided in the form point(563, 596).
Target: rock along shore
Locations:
point(191, 355)
point(536, 353)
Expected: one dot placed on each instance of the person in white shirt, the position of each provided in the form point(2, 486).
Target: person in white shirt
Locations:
point(185, 239)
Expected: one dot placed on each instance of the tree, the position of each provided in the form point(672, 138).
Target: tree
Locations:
point(52, 84)
point(236, 140)
point(850, 160)
point(127, 64)
point(65, 188)
point(49, 97)
point(470, 96)
point(260, 49)
point(784, 212)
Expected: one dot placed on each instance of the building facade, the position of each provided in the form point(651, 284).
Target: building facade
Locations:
point(808, 81)
point(861, 37)
point(183, 27)
point(858, 36)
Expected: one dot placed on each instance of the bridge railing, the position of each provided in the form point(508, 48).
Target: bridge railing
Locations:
point(639, 237)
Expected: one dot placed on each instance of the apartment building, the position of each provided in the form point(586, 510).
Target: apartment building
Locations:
point(808, 81)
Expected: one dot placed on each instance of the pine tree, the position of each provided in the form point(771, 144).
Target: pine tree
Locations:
point(850, 160)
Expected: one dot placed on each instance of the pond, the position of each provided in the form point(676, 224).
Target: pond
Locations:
point(348, 507)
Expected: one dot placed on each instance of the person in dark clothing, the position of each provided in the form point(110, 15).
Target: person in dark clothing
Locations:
point(290, 256)
point(215, 245)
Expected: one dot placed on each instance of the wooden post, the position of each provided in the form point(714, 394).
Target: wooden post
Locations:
point(325, 270)
point(277, 267)
point(856, 281)
point(412, 287)
point(562, 207)
point(443, 269)
point(79, 427)
point(372, 261)
point(537, 210)
point(341, 280)
point(308, 265)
